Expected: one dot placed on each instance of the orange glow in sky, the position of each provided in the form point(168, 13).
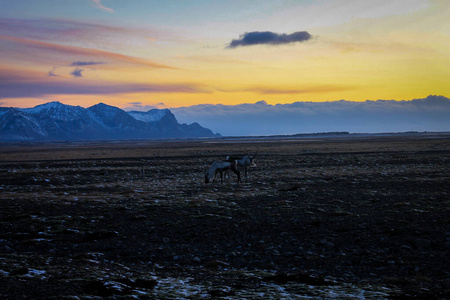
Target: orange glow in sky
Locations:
point(154, 53)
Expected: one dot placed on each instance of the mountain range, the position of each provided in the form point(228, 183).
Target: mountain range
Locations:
point(55, 121)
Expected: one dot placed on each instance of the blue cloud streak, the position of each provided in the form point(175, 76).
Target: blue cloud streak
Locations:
point(86, 63)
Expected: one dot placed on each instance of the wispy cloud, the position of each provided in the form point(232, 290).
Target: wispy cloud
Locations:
point(86, 63)
point(269, 38)
point(139, 106)
point(301, 89)
point(21, 84)
point(98, 4)
point(56, 29)
point(28, 48)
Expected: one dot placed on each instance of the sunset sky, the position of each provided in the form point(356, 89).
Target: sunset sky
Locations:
point(142, 53)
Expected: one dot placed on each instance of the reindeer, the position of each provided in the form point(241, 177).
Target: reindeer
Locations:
point(246, 161)
point(218, 167)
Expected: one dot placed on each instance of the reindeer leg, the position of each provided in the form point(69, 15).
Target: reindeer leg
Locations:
point(215, 176)
point(237, 172)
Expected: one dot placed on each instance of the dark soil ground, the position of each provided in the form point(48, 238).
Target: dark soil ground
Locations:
point(349, 218)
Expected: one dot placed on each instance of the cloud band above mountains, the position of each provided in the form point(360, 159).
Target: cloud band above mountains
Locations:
point(269, 38)
point(429, 114)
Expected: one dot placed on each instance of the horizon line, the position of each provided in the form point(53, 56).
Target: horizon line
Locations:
point(261, 102)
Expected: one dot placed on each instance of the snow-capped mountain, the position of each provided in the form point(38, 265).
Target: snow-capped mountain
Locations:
point(56, 121)
point(16, 125)
point(57, 110)
point(152, 115)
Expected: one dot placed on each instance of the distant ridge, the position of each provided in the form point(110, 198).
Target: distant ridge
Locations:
point(56, 121)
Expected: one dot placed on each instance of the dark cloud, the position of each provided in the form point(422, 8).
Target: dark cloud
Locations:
point(52, 73)
point(269, 38)
point(86, 63)
point(77, 72)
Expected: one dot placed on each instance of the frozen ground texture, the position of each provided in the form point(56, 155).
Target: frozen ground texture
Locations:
point(349, 218)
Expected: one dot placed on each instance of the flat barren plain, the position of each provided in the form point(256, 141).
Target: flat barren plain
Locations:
point(363, 217)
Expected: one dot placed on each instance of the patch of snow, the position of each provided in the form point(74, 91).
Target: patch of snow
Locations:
point(57, 110)
point(43, 107)
point(178, 288)
point(35, 273)
point(95, 118)
point(116, 286)
point(41, 240)
point(149, 116)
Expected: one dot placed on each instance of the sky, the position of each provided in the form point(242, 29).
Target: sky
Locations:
point(139, 54)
